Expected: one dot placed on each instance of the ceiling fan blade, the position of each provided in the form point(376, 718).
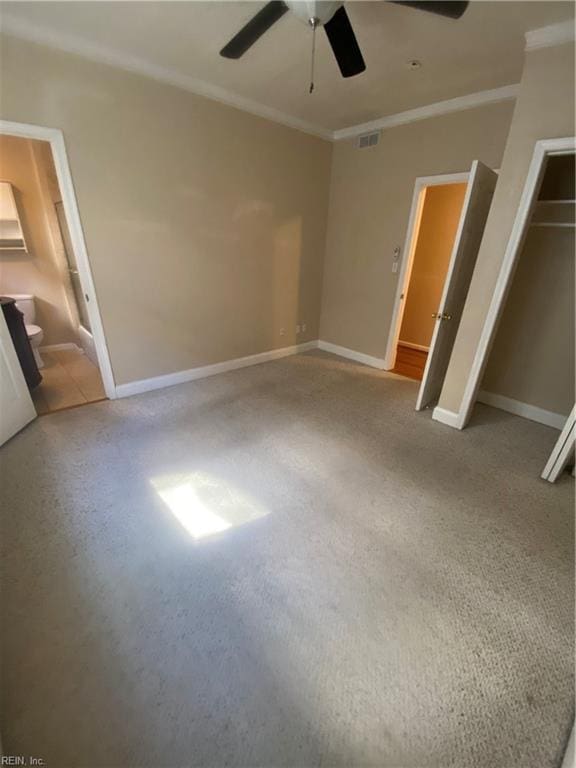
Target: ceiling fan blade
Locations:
point(344, 44)
point(453, 10)
point(254, 29)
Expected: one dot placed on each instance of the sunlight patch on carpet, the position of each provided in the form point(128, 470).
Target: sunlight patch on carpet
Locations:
point(205, 505)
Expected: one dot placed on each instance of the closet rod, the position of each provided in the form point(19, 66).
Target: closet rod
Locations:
point(555, 202)
point(553, 224)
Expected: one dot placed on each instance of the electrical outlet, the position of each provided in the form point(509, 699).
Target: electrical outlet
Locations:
point(282, 331)
point(303, 327)
point(394, 266)
point(297, 329)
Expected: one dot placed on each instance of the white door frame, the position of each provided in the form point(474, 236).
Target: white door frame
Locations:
point(55, 138)
point(408, 258)
point(562, 450)
point(569, 760)
point(543, 149)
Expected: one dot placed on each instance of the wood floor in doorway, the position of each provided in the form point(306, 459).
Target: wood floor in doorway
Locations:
point(410, 362)
point(69, 378)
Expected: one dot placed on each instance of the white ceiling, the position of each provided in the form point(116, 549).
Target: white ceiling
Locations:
point(483, 50)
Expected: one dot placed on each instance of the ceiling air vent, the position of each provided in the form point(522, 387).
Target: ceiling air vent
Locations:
point(368, 140)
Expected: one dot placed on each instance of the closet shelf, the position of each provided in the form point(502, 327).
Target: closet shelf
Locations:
point(564, 224)
point(556, 202)
point(554, 213)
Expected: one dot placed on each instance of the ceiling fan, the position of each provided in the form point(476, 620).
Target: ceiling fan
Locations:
point(333, 17)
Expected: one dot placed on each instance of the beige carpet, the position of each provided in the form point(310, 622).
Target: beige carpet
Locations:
point(285, 566)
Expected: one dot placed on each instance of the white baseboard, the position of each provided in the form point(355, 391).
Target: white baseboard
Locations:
point(449, 418)
point(87, 344)
point(192, 374)
point(532, 412)
point(569, 760)
point(410, 345)
point(351, 354)
point(60, 347)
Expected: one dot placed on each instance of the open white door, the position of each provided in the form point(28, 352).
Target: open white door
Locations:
point(475, 209)
point(16, 406)
point(562, 451)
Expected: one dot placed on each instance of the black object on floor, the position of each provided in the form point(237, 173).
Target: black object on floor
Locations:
point(15, 322)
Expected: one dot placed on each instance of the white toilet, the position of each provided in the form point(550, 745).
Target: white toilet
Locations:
point(25, 303)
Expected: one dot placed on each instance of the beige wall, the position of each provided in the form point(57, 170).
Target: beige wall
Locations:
point(370, 197)
point(205, 226)
point(438, 224)
point(42, 271)
point(544, 109)
point(533, 355)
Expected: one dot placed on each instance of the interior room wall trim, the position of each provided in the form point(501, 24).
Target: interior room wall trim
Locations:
point(412, 345)
point(445, 417)
point(555, 34)
point(351, 354)
point(471, 100)
point(41, 35)
point(203, 372)
point(532, 412)
point(61, 347)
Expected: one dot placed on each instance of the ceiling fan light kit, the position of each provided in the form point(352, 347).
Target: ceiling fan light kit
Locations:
point(334, 18)
point(319, 10)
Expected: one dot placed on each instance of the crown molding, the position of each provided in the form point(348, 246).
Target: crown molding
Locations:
point(15, 27)
point(458, 104)
point(555, 34)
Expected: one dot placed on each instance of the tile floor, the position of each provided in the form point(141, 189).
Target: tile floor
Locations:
point(69, 378)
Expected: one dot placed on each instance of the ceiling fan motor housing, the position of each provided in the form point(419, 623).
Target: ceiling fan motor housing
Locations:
point(333, 17)
point(320, 11)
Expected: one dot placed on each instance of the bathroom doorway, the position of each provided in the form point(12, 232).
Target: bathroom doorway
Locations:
point(42, 273)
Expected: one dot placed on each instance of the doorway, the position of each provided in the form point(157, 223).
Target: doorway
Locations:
point(479, 190)
point(530, 368)
point(421, 184)
point(434, 235)
point(543, 238)
point(41, 273)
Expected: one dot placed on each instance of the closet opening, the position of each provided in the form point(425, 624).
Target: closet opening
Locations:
point(530, 370)
point(529, 363)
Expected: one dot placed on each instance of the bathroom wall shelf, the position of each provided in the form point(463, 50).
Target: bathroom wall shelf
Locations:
point(11, 232)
